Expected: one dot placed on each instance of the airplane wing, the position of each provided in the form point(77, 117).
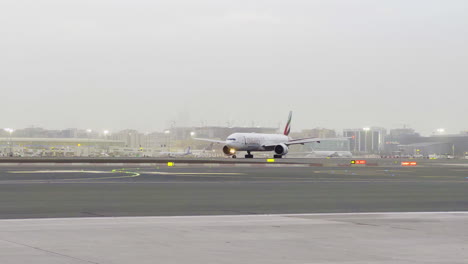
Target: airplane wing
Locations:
point(211, 140)
point(301, 141)
point(309, 140)
point(304, 140)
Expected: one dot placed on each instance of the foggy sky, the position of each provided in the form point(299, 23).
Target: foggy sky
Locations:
point(115, 64)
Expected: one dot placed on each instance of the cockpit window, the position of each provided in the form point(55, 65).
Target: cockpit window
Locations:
point(232, 139)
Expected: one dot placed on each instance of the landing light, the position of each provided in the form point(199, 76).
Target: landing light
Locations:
point(232, 151)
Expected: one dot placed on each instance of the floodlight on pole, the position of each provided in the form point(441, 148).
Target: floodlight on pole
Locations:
point(168, 140)
point(88, 132)
point(106, 132)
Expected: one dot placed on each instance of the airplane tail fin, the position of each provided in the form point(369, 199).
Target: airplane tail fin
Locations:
point(287, 129)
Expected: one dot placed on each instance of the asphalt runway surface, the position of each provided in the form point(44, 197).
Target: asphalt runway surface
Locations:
point(106, 191)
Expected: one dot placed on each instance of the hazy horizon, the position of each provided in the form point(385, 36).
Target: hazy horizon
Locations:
point(144, 64)
point(232, 124)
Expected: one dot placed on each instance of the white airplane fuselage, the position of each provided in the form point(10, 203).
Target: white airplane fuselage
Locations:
point(254, 141)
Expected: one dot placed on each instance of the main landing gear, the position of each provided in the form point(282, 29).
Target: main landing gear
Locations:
point(249, 156)
point(277, 156)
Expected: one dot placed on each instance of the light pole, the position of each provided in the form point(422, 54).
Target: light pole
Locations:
point(168, 140)
point(88, 131)
point(10, 131)
point(106, 132)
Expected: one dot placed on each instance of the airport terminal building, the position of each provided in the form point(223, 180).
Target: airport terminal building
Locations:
point(408, 143)
point(55, 147)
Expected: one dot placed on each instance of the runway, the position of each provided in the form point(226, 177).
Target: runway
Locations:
point(283, 239)
point(106, 191)
point(252, 213)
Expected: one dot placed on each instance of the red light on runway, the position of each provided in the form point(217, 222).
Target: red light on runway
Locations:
point(409, 163)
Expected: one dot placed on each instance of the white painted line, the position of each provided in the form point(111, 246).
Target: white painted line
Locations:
point(233, 216)
point(453, 164)
point(191, 173)
point(58, 171)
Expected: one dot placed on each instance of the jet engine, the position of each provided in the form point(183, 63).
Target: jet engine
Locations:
point(281, 149)
point(229, 151)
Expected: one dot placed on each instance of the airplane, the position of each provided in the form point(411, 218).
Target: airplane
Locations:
point(176, 154)
point(279, 143)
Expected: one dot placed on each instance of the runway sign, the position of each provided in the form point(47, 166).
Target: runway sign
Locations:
point(359, 162)
point(409, 163)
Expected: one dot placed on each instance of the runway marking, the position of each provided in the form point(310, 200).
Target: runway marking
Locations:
point(439, 176)
point(192, 173)
point(58, 171)
point(85, 181)
point(453, 164)
point(224, 175)
point(251, 179)
point(129, 174)
point(241, 217)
